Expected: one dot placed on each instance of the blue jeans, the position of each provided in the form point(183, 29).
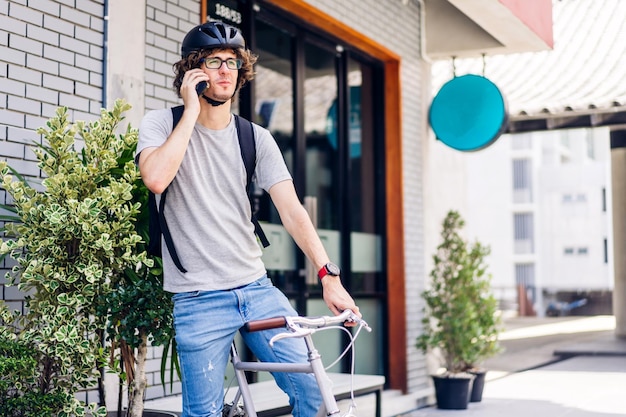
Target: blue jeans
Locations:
point(206, 323)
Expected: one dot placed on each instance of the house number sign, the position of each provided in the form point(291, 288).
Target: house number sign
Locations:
point(226, 11)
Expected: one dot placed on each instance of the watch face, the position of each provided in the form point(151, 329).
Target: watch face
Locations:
point(332, 269)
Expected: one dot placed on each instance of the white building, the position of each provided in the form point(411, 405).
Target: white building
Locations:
point(542, 196)
point(542, 202)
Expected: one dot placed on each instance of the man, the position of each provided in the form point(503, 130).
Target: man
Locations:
point(208, 214)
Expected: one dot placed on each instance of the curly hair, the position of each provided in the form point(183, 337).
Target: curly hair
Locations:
point(194, 59)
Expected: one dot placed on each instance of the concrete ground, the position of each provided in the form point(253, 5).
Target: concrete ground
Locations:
point(563, 366)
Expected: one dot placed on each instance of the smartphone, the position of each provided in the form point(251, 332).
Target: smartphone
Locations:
point(201, 86)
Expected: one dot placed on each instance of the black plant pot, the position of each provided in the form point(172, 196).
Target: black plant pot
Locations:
point(478, 385)
point(452, 393)
point(148, 413)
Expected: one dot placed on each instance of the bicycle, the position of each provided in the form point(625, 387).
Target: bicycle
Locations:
point(303, 327)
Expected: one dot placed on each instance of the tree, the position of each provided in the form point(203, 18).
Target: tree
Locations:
point(140, 313)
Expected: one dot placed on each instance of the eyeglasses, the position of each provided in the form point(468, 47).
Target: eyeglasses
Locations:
point(216, 63)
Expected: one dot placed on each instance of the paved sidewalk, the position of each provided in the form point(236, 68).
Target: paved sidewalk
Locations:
point(584, 386)
point(579, 372)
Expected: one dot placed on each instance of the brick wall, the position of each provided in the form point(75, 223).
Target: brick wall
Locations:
point(167, 22)
point(51, 55)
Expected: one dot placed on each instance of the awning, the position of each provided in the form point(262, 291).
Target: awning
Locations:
point(581, 82)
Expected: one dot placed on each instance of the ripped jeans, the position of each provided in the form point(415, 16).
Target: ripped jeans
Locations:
point(206, 323)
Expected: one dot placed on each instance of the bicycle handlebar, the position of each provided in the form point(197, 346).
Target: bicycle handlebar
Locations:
point(303, 321)
point(266, 324)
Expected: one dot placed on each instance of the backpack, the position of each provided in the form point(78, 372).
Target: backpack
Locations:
point(158, 224)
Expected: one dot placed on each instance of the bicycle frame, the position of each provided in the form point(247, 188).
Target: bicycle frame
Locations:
point(315, 366)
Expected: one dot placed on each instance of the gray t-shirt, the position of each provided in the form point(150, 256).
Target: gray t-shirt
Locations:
point(207, 209)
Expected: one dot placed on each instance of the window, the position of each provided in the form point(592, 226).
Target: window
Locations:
point(521, 174)
point(523, 232)
point(581, 251)
point(525, 274)
point(522, 181)
point(574, 199)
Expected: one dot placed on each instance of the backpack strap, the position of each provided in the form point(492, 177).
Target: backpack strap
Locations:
point(165, 230)
point(177, 113)
point(157, 215)
point(247, 144)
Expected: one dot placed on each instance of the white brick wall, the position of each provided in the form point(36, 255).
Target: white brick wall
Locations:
point(51, 55)
point(166, 25)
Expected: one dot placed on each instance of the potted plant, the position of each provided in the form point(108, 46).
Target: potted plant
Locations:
point(72, 236)
point(458, 325)
point(485, 344)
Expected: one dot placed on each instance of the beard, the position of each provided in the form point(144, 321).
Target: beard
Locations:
point(220, 97)
point(217, 96)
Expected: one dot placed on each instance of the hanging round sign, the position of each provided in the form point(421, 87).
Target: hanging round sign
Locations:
point(468, 113)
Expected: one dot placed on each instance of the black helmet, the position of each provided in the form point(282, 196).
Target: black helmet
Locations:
point(212, 35)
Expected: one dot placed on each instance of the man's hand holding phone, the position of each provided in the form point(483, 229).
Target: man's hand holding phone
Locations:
point(201, 86)
point(196, 79)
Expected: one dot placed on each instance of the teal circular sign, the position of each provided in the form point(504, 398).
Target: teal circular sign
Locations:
point(468, 113)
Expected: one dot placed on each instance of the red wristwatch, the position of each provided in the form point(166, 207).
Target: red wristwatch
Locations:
point(329, 269)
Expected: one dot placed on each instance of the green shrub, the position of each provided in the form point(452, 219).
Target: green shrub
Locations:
point(461, 321)
point(72, 244)
point(20, 389)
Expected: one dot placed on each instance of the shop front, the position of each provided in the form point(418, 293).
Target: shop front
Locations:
point(324, 100)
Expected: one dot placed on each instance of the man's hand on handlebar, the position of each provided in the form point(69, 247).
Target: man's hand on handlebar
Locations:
point(337, 298)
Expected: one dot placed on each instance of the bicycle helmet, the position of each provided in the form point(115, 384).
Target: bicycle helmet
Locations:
point(212, 35)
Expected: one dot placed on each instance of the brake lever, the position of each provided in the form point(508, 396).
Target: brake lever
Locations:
point(366, 326)
point(353, 318)
point(295, 332)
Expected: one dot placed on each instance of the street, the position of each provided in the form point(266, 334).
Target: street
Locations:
point(530, 342)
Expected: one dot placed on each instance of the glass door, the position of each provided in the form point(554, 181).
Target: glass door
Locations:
point(365, 212)
point(320, 104)
point(323, 149)
point(323, 185)
point(274, 110)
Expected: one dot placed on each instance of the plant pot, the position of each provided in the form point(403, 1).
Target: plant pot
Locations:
point(148, 413)
point(452, 393)
point(478, 384)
